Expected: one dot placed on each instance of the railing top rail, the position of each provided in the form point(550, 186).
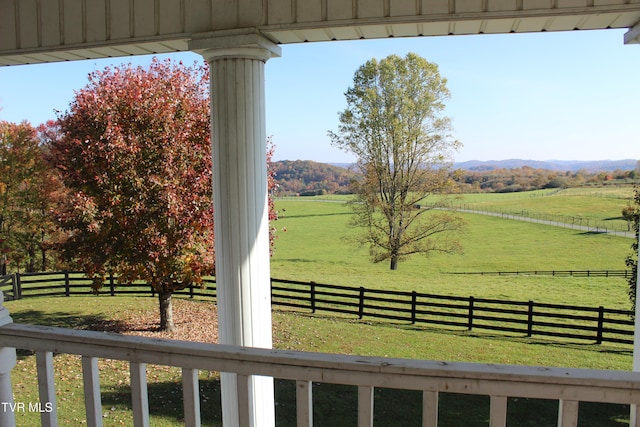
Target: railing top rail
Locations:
point(473, 378)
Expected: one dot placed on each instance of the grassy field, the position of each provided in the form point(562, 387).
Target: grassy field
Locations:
point(603, 205)
point(310, 333)
point(315, 246)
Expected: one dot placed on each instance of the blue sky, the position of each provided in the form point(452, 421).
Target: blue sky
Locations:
point(568, 96)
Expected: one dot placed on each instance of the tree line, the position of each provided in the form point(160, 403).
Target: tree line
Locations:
point(119, 183)
point(309, 178)
point(526, 178)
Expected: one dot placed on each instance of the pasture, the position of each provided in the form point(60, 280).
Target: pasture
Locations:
point(315, 247)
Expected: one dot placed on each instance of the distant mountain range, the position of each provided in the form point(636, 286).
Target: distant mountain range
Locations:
point(554, 165)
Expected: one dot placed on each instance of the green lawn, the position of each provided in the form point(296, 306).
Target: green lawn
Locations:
point(334, 404)
point(315, 246)
point(603, 205)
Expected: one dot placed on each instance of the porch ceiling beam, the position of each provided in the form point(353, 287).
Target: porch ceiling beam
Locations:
point(633, 35)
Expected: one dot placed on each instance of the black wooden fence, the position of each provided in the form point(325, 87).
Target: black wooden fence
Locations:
point(66, 283)
point(526, 318)
point(562, 273)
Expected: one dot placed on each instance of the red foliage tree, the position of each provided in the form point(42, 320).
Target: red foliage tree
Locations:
point(134, 153)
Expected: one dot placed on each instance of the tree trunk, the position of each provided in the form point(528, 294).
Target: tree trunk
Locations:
point(43, 251)
point(166, 311)
point(31, 265)
point(394, 263)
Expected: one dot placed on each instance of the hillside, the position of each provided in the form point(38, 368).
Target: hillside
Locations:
point(591, 166)
point(305, 178)
point(309, 178)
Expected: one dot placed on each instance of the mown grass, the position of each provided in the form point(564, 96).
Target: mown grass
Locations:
point(601, 204)
point(334, 404)
point(315, 246)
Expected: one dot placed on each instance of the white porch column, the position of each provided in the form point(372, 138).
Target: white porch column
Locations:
point(237, 61)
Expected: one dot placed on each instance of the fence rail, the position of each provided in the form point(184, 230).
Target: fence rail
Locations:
point(528, 318)
point(561, 273)
point(67, 283)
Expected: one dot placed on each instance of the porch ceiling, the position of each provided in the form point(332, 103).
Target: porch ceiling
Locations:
point(446, 25)
point(37, 31)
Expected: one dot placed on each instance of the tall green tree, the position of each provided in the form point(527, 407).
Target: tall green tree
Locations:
point(395, 127)
point(134, 153)
point(632, 260)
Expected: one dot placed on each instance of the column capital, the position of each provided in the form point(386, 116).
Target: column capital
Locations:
point(243, 43)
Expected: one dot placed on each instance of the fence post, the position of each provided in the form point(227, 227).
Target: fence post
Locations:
point(112, 288)
point(14, 287)
point(18, 286)
point(414, 303)
point(470, 324)
point(313, 296)
point(67, 290)
point(530, 320)
point(361, 304)
point(600, 324)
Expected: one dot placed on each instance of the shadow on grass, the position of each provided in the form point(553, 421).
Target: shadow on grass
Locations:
point(165, 401)
point(66, 320)
point(585, 345)
point(69, 320)
point(594, 232)
point(336, 405)
point(56, 318)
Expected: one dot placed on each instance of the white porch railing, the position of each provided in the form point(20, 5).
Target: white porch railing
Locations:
point(568, 386)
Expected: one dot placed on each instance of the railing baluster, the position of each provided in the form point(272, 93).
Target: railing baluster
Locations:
point(7, 363)
point(92, 400)
point(47, 388)
point(243, 400)
point(568, 413)
point(429, 409)
point(634, 415)
point(191, 397)
point(498, 417)
point(139, 395)
point(365, 406)
point(304, 403)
